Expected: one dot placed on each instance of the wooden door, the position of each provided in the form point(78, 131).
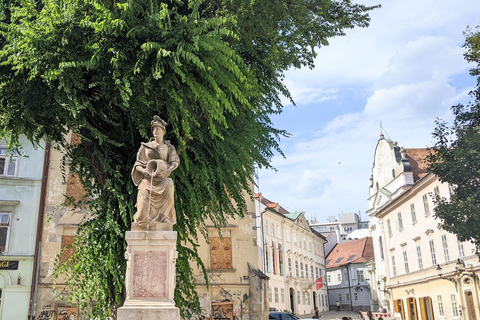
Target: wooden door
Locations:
point(470, 305)
point(222, 310)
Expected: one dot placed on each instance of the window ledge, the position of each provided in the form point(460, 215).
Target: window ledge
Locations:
point(223, 270)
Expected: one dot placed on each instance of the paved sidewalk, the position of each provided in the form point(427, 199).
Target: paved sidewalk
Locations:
point(332, 315)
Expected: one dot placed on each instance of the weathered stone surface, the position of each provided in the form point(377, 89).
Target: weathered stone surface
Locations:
point(148, 313)
point(150, 274)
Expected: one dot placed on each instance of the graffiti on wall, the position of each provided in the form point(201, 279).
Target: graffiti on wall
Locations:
point(67, 313)
point(222, 310)
point(47, 313)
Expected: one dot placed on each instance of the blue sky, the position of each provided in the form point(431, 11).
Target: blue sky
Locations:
point(405, 70)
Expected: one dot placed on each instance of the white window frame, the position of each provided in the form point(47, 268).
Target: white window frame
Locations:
point(8, 159)
point(400, 221)
point(360, 275)
point(431, 244)
point(426, 207)
point(454, 304)
point(419, 258)
point(445, 248)
point(441, 307)
point(394, 266)
point(7, 217)
point(389, 228)
point(282, 295)
point(461, 251)
point(413, 213)
point(275, 290)
point(405, 262)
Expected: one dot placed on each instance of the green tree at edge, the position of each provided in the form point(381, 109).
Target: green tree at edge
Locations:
point(455, 158)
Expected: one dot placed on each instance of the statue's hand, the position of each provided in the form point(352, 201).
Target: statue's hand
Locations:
point(146, 173)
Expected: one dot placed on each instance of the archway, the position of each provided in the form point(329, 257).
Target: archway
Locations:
point(314, 294)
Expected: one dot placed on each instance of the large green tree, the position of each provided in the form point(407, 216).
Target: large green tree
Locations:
point(456, 157)
point(212, 69)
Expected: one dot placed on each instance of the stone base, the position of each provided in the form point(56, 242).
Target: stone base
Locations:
point(148, 313)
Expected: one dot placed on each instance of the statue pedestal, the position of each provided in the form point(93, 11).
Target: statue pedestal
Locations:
point(150, 277)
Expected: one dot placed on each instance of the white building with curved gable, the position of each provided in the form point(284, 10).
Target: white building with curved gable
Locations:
point(420, 270)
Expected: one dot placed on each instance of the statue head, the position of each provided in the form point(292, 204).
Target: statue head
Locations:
point(158, 122)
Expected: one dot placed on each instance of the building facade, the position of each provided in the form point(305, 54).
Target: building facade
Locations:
point(58, 230)
point(238, 289)
point(346, 225)
point(347, 275)
point(292, 256)
point(420, 270)
point(21, 177)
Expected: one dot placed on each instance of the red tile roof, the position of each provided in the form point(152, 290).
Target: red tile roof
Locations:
point(418, 163)
point(354, 251)
point(269, 204)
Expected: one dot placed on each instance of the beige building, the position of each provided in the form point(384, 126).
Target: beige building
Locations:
point(292, 256)
point(237, 288)
point(420, 270)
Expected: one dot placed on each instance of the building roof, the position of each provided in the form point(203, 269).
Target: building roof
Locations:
point(270, 204)
point(293, 216)
point(355, 251)
point(416, 157)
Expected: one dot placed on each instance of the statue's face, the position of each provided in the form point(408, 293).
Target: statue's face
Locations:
point(158, 131)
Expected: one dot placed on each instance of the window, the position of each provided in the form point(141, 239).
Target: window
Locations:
point(304, 300)
point(279, 233)
point(347, 296)
point(329, 279)
point(461, 253)
point(4, 228)
point(453, 300)
point(294, 238)
point(221, 253)
point(381, 247)
point(339, 277)
point(355, 296)
point(394, 267)
point(360, 276)
point(311, 271)
point(441, 309)
point(451, 189)
point(272, 229)
point(340, 299)
point(301, 269)
point(306, 270)
point(323, 300)
point(308, 298)
point(316, 273)
point(296, 268)
point(419, 258)
point(276, 294)
point(389, 228)
point(287, 235)
point(412, 212)
point(290, 267)
point(405, 262)
point(436, 191)
point(425, 205)
point(282, 295)
point(270, 294)
point(445, 247)
point(298, 297)
point(432, 252)
point(8, 163)
point(400, 221)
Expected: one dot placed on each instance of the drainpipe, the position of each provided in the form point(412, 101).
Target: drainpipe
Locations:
point(349, 286)
point(38, 241)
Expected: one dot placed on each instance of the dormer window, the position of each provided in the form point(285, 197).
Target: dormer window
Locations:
point(8, 163)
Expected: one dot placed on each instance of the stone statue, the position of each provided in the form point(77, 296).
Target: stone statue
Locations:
point(156, 159)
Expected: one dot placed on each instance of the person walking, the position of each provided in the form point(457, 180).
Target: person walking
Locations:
point(316, 313)
point(338, 305)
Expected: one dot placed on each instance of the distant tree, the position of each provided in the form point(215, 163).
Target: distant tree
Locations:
point(456, 157)
point(212, 69)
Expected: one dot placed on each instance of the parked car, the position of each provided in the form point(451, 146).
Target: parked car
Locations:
point(283, 316)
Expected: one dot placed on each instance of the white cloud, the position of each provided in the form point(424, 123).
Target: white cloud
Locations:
point(405, 63)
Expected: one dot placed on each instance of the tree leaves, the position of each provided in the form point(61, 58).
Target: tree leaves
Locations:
point(101, 69)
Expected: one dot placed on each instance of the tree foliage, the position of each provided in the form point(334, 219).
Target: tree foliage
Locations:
point(212, 69)
point(456, 157)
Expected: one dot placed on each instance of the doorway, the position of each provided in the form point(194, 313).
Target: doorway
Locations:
point(292, 300)
point(470, 305)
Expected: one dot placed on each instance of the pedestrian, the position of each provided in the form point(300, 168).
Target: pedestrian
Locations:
point(360, 315)
point(338, 305)
point(370, 315)
point(316, 313)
